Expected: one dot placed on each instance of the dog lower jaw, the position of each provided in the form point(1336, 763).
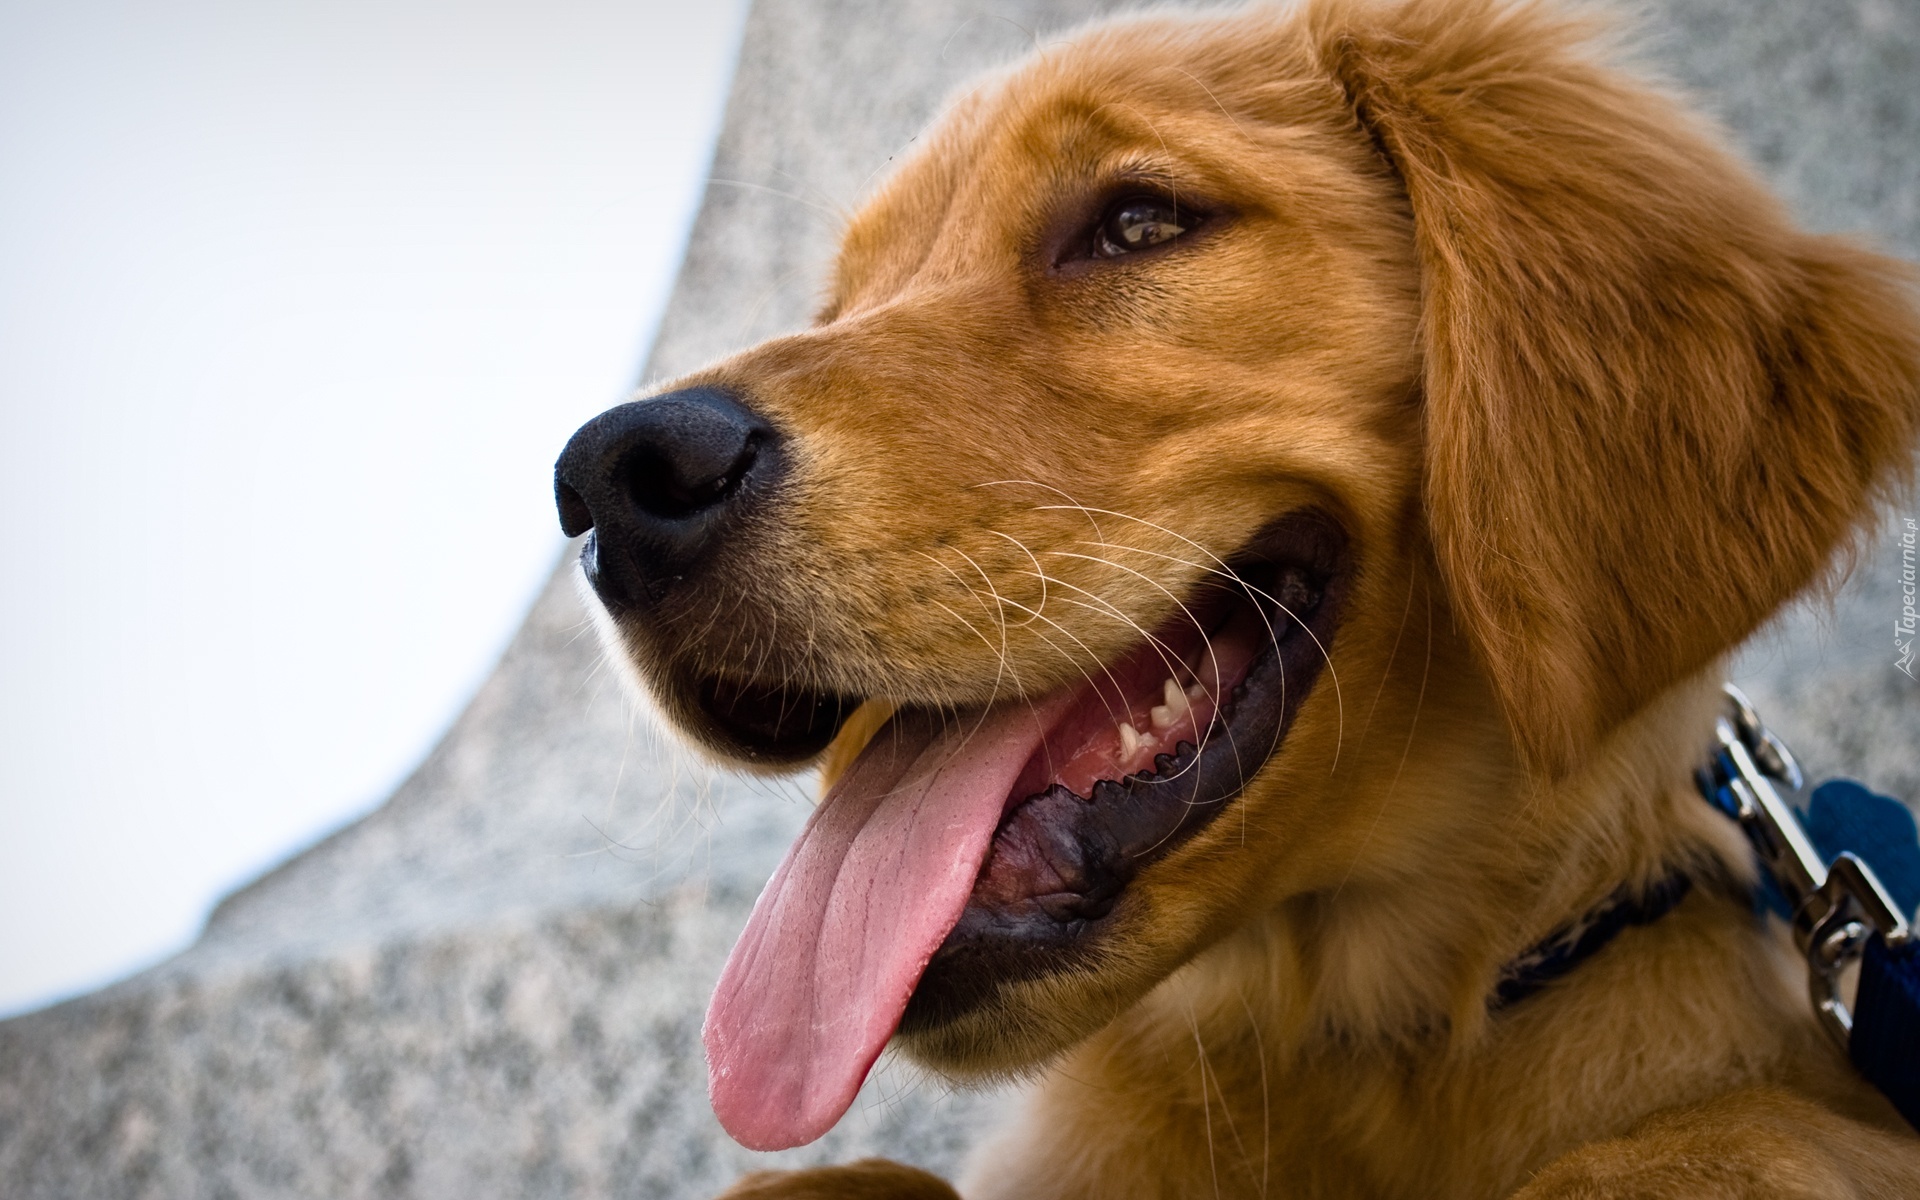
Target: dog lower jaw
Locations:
point(1026, 1024)
point(1054, 901)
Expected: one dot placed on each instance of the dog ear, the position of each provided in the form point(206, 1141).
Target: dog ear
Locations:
point(1653, 408)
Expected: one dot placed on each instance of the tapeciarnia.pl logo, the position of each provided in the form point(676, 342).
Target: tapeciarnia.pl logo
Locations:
point(1904, 627)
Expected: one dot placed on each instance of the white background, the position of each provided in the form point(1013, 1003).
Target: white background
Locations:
point(298, 302)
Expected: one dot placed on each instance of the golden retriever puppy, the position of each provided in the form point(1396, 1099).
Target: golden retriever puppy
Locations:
point(1254, 531)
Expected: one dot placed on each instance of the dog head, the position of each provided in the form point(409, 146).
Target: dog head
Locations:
point(1210, 413)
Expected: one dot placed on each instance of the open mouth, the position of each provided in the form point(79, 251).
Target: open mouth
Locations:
point(963, 852)
point(1148, 753)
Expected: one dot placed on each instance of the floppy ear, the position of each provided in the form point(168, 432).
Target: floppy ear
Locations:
point(1653, 408)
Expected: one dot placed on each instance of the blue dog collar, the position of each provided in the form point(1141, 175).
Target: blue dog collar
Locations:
point(1570, 945)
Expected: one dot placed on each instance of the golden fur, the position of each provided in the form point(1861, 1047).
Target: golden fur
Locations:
point(1590, 409)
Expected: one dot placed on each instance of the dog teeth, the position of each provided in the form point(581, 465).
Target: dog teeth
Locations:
point(1129, 740)
point(1176, 706)
point(1195, 693)
point(1209, 674)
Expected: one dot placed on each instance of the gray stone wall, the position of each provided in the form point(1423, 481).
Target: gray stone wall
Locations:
point(493, 985)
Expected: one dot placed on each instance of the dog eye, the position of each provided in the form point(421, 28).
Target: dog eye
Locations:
point(1136, 224)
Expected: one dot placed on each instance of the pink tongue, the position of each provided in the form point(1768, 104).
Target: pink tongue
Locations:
point(817, 982)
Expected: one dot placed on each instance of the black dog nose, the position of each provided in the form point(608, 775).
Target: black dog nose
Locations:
point(657, 481)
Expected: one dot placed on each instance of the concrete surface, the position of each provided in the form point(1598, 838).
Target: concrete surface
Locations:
point(493, 985)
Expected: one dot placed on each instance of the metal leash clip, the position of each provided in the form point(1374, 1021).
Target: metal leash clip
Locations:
point(1836, 907)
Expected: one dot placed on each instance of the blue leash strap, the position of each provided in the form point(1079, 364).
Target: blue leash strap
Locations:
point(1843, 912)
point(1885, 1045)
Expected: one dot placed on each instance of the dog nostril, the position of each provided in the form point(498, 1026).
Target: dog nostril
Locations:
point(575, 517)
point(671, 487)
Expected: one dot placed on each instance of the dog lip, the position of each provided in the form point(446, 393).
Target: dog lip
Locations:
point(1061, 864)
point(768, 722)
